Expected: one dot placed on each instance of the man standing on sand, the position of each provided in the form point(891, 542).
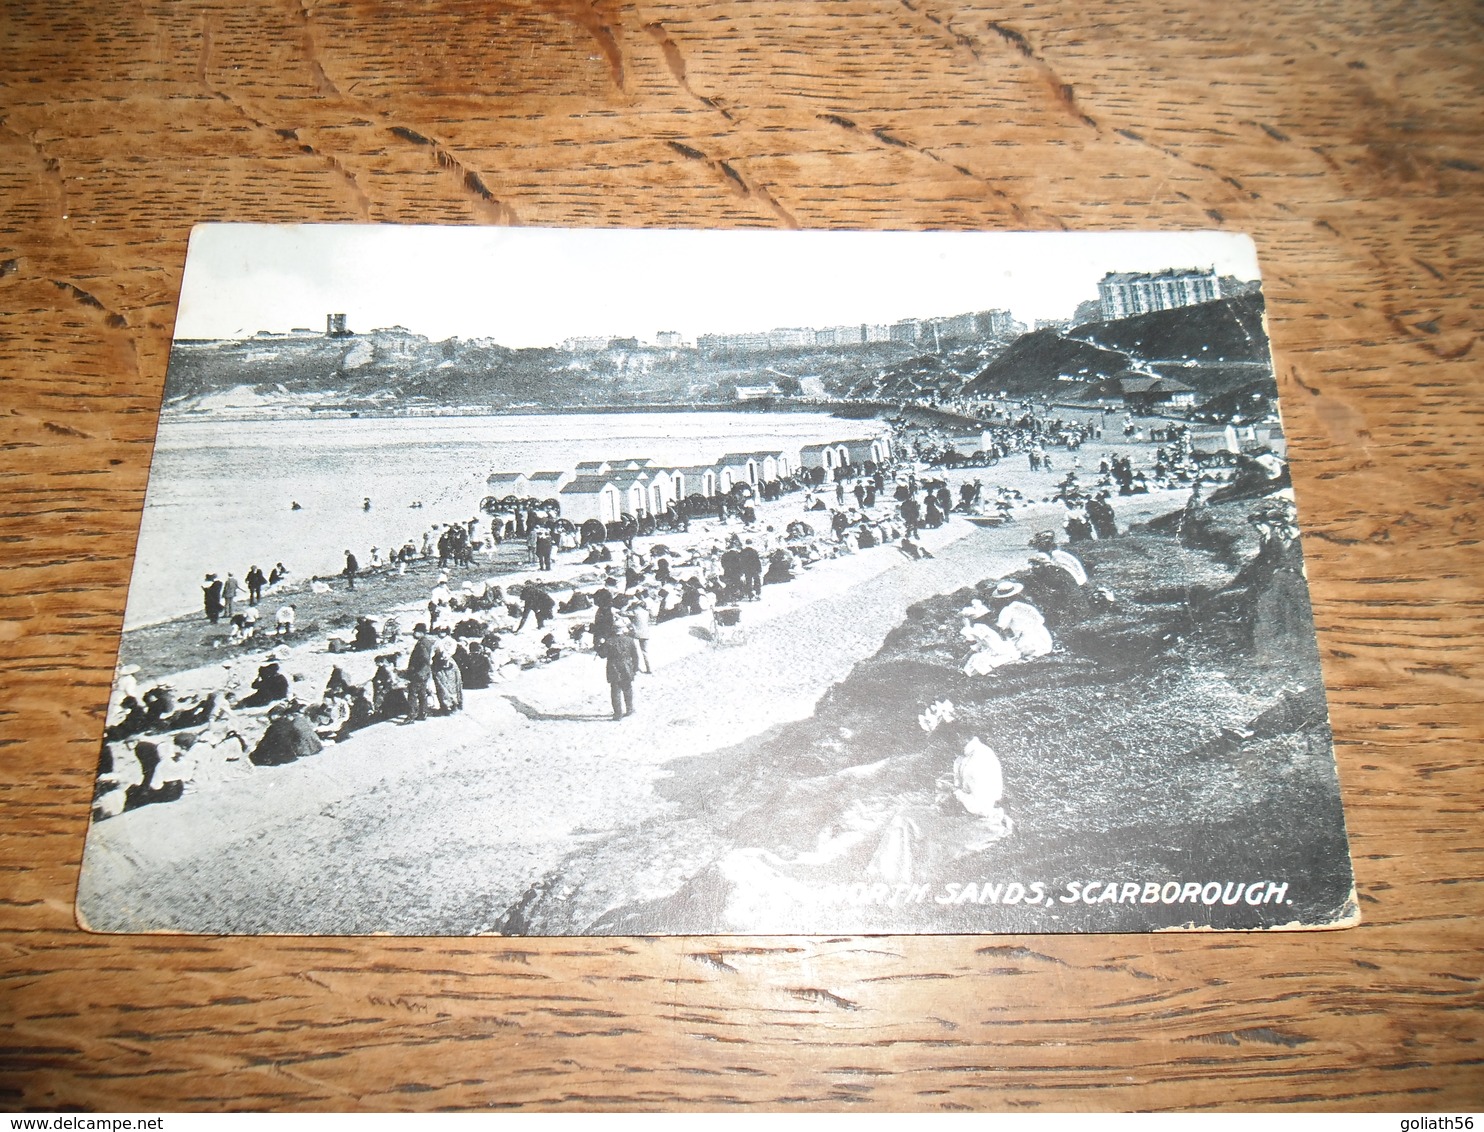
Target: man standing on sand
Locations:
point(256, 580)
point(643, 620)
point(910, 515)
point(419, 672)
point(622, 664)
point(752, 571)
point(230, 589)
point(351, 567)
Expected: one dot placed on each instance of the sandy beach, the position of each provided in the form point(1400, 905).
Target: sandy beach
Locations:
point(437, 828)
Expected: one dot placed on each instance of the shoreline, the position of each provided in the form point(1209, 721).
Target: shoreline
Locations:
point(282, 412)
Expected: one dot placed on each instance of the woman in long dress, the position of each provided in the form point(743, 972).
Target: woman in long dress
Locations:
point(1023, 626)
point(448, 682)
point(1017, 632)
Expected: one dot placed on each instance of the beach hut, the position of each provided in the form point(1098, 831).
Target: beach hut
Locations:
point(591, 497)
point(740, 467)
point(695, 480)
point(546, 485)
point(763, 466)
point(633, 488)
point(1215, 442)
point(661, 489)
point(503, 484)
point(871, 450)
point(830, 456)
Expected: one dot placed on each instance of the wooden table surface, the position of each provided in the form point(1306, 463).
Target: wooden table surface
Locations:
point(1343, 135)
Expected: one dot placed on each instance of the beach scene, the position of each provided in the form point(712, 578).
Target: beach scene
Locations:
point(901, 611)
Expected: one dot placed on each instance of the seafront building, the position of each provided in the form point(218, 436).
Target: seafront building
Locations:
point(1125, 293)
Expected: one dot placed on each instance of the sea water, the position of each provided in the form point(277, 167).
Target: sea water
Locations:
point(222, 492)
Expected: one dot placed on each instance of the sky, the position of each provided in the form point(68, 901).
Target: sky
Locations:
point(537, 286)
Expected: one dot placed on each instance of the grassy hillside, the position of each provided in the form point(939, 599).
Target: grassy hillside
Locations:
point(1227, 330)
point(1215, 348)
point(1034, 366)
point(1174, 735)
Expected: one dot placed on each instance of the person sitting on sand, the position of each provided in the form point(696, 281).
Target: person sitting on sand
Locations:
point(162, 775)
point(328, 717)
point(283, 621)
point(214, 708)
point(913, 550)
point(476, 667)
point(130, 719)
point(388, 691)
point(979, 787)
point(990, 649)
point(780, 568)
point(269, 686)
point(577, 603)
point(366, 636)
point(348, 706)
point(289, 736)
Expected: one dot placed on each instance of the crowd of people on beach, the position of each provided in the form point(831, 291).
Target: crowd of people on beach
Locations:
point(606, 602)
point(596, 593)
point(237, 601)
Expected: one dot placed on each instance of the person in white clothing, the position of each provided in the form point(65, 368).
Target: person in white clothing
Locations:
point(1045, 542)
point(1016, 632)
point(1021, 623)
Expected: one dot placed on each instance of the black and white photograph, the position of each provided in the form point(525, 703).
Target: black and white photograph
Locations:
point(540, 582)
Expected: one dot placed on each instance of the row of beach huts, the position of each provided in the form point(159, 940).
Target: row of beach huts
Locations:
point(606, 490)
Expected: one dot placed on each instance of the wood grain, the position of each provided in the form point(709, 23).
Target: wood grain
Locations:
point(1344, 135)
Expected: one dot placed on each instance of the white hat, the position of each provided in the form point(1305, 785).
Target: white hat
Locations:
point(975, 608)
point(1007, 589)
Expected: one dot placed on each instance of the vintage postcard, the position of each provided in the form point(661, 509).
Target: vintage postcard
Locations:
point(544, 582)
